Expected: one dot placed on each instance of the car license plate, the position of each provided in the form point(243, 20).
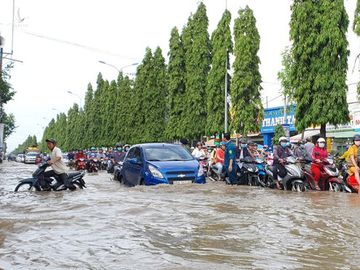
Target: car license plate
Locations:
point(179, 182)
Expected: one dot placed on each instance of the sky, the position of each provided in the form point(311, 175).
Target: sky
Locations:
point(60, 44)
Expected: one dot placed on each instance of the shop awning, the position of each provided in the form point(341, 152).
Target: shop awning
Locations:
point(307, 133)
point(341, 134)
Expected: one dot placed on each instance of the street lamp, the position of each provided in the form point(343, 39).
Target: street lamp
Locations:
point(118, 69)
point(71, 93)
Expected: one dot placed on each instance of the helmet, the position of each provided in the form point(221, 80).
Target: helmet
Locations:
point(118, 145)
point(51, 140)
point(93, 148)
point(320, 140)
point(356, 137)
point(251, 143)
point(283, 139)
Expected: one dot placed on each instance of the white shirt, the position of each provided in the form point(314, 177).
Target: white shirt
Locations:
point(198, 153)
point(59, 166)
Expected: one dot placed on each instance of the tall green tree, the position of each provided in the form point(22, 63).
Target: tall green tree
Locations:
point(319, 54)
point(197, 65)
point(89, 115)
point(215, 92)
point(284, 76)
point(176, 87)
point(245, 85)
point(356, 28)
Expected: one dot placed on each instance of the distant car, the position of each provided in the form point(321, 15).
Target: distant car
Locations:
point(160, 163)
point(30, 157)
point(65, 159)
point(20, 158)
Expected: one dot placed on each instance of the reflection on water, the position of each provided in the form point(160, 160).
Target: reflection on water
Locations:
point(211, 226)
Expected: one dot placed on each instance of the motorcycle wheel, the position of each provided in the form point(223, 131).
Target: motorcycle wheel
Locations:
point(335, 187)
point(24, 187)
point(298, 187)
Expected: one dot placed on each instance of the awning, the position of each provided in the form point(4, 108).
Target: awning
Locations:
point(341, 134)
point(307, 133)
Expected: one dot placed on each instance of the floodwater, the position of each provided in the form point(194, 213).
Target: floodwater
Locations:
point(211, 226)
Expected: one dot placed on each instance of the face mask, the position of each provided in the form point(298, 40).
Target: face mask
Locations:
point(322, 145)
point(357, 143)
point(243, 145)
point(283, 144)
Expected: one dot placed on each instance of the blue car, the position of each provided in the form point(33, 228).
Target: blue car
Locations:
point(160, 163)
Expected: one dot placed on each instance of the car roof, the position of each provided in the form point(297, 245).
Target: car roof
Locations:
point(155, 145)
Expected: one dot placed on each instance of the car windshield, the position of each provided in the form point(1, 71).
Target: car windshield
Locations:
point(167, 153)
point(32, 154)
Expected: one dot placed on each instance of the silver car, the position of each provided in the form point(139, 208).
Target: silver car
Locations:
point(30, 158)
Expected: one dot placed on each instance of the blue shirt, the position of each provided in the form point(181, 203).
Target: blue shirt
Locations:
point(230, 153)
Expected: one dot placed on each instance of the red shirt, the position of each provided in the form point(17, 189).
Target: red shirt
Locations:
point(219, 157)
point(319, 153)
point(79, 155)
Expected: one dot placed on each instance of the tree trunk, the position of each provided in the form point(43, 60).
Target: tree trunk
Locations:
point(323, 131)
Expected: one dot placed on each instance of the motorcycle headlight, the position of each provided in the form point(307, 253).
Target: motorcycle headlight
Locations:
point(155, 172)
point(200, 171)
point(250, 169)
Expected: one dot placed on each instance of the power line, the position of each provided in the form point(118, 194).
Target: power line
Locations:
point(75, 44)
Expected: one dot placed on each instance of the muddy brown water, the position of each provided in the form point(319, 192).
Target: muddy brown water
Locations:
point(211, 226)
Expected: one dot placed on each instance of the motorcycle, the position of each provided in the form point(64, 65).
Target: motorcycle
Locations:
point(294, 179)
point(80, 164)
point(260, 164)
point(39, 182)
point(329, 180)
point(350, 181)
point(248, 172)
point(91, 166)
point(214, 174)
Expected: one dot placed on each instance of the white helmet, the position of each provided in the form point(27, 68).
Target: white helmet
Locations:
point(320, 140)
point(283, 139)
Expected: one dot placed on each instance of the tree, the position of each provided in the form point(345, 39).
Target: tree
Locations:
point(279, 132)
point(176, 87)
point(215, 92)
point(197, 65)
point(319, 54)
point(245, 85)
point(356, 28)
point(284, 76)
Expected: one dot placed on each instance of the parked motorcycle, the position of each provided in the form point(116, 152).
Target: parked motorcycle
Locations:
point(39, 182)
point(294, 179)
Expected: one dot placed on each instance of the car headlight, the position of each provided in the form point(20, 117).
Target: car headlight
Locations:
point(155, 172)
point(200, 171)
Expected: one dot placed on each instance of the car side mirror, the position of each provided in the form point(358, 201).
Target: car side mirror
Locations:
point(135, 161)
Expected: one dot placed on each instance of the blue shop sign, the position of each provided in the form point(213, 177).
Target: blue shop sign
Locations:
point(274, 116)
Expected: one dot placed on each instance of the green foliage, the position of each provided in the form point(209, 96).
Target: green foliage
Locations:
point(284, 76)
point(279, 132)
point(29, 142)
point(6, 94)
point(245, 86)
point(319, 54)
point(197, 65)
point(176, 88)
point(215, 91)
point(356, 24)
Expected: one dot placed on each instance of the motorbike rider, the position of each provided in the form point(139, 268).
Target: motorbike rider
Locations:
point(281, 152)
point(352, 158)
point(309, 146)
point(218, 161)
point(243, 149)
point(319, 153)
point(57, 164)
point(198, 152)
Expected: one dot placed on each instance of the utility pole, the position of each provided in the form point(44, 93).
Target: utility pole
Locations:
point(226, 85)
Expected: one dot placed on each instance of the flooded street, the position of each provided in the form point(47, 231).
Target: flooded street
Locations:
point(211, 226)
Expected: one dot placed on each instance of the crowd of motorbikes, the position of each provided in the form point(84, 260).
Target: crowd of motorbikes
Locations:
point(259, 172)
